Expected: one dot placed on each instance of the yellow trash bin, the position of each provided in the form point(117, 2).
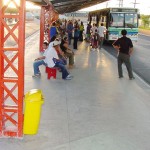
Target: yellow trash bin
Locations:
point(33, 101)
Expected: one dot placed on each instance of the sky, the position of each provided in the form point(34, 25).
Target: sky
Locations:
point(142, 5)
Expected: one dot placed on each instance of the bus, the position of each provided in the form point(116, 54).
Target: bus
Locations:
point(115, 20)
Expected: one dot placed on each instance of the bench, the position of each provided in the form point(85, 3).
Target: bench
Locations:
point(51, 72)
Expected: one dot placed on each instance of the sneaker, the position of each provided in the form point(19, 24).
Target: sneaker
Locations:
point(70, 76)
point(131, 78)
point(120, 76)
point(36, 76)
point(93, 49)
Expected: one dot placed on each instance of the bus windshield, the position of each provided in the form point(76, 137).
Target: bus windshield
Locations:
point(117, 20)
point(131, 21)
point(127, 20)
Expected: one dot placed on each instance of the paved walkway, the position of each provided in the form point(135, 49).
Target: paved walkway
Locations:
point(30, 28)
point(94, 111)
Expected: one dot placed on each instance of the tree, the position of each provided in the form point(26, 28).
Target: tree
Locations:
point(145, 20)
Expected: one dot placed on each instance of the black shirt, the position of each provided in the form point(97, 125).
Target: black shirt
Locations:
point(124, 43)
point(63, 48)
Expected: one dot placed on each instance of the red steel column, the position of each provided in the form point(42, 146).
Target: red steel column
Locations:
point(1, 67)
point(12, 69)
point(42, 24)
point(46, 19)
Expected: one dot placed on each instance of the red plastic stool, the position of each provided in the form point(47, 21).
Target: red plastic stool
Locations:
point(51, 72)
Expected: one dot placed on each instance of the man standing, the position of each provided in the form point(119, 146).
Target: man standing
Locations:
point(101, 31)
point(124, 47)
point(69, 31)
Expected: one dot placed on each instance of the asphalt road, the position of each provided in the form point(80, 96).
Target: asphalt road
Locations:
point(141, 57)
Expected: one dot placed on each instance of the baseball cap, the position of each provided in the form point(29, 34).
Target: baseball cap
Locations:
point(55, 43)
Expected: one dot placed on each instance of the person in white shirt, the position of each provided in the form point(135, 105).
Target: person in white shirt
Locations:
point(92, 33)
point(93, 29)
point(51, 59)
point(101, 32)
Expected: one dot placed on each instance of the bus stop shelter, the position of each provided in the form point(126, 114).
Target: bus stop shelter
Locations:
point(12, 68)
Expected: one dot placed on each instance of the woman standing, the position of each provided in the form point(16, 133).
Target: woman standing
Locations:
point(81, 27)
point(76, 36)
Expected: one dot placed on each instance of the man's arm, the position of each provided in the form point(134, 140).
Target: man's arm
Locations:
point(130, 50)
point(131, 47)
point(116, 46)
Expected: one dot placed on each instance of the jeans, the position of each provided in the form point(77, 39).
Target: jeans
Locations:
point(64, 71)
point(36, 65)
point(75, 42)
point(69, 38)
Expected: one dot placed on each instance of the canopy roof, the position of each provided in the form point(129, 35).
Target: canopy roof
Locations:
point(66, 6)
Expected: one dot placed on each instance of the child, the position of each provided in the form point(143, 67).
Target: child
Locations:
point(45, 46)
point(95, 41)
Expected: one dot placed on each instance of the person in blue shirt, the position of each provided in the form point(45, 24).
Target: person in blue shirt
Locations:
point(53, 30)
point(69, 31)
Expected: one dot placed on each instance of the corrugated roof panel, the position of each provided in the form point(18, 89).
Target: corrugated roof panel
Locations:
point(66, 6)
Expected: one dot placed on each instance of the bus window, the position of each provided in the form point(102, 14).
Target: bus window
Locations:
point(117, 20)
point(131, 20)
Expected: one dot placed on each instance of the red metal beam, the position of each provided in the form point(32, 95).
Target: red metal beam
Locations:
point(42, 24)
point(12, 83)
point(1, 67)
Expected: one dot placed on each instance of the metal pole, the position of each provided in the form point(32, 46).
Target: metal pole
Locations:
point(134, 3)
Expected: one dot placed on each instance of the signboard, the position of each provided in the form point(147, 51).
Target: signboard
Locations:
point(123, 10)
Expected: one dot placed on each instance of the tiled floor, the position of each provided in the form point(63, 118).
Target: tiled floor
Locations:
point(94, 111)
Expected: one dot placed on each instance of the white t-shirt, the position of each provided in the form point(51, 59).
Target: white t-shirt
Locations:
point(101, 31)
point(49, 55)
point(93, 30)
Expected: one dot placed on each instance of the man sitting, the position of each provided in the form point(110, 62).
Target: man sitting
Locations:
point(51, 59)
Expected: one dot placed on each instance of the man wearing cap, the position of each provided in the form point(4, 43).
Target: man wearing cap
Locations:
point(48, 60)
point(124, 47)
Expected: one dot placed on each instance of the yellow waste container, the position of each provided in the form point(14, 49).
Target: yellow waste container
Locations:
point(33, 101)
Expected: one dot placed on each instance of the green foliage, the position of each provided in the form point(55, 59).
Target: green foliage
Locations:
point(145, 20)
point(142, 27)
point(11, 10)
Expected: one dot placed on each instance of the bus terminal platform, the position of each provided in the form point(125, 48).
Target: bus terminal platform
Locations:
point(94, 111)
